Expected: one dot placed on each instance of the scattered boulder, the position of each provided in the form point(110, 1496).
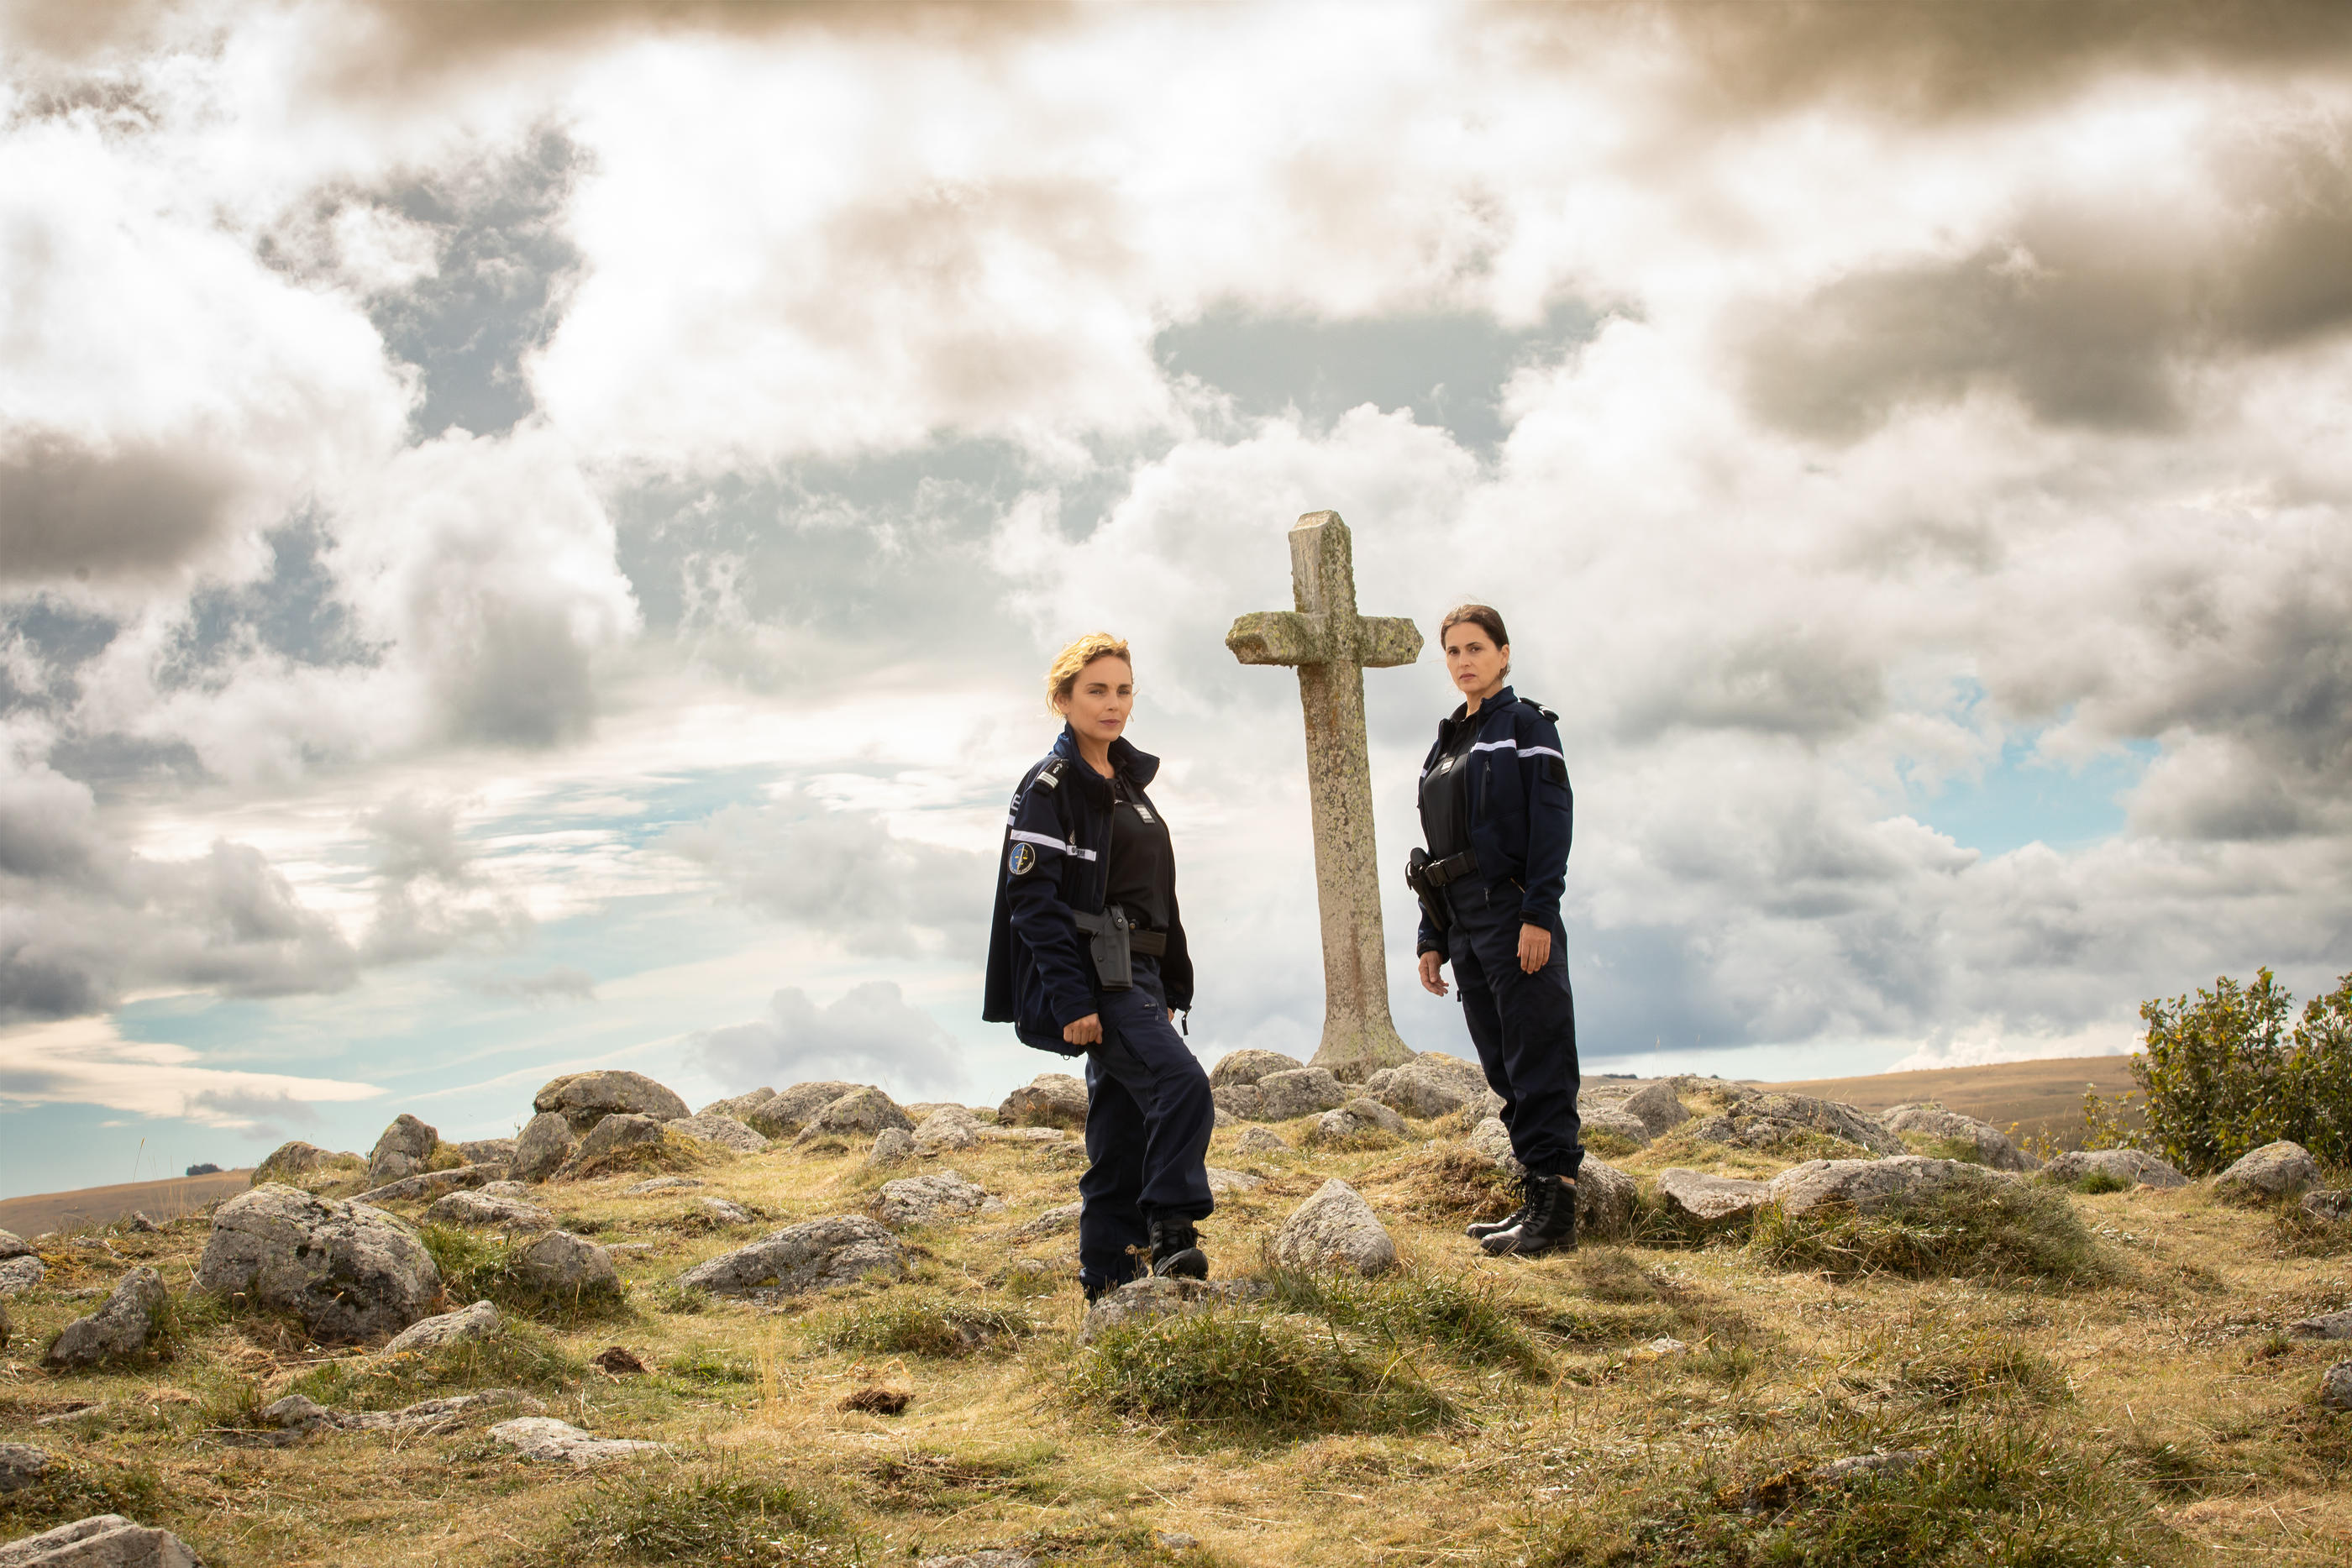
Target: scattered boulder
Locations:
point(838, 1250)
point(1219, 1118)
point(1429, 1085)
point(724, 1131)
point(1610, 1119)
point(1300, 1091)
point(1710, 1200)
point(432, 1184)
point(859, 1112)
point(1991, 1145)
point(1260, 1141)
point(653, 1185)
point(615, 1132)
point(545, 1440)
point(931, 1198)
point(2336, 1387)
point(1242, 1102)
point(723, 1212)
point(584, 1099)
point(14, 1246)
point(1335, 1228)
point(2328, 1206)
point(299, 1414)
point(739, 1107)
point(1157, 1296)
point(21, 1465)
point(1653, 1104)
point(782, 1116)
point(1868, 1186)
point(2326, 1325)
point(892, 1146)
point(2133, 1168)
point(404, 1149)
point(1360, 1119)
point(20, 1274)
point(487, 1150)
point(1237, 1067)
point(1048, 1100)
point(949, 1128)
point(118, 1329)
point(546, 1140)
point(289, 1161)
point(1607, 1200)
point(103, 1540)
point(1486, 1105)
point(347, 1271)
point(2271, 1174)
point(1056, 1221)
point(1767, 1121)
point(558, 1263)
point(479, 1321)
point(1221, 1182)
point(1493, 1139)
point(480, 1211)
point(1025, 1135)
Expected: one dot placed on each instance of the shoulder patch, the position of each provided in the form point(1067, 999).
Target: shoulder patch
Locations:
point(1022, 858)
point(1541, 709)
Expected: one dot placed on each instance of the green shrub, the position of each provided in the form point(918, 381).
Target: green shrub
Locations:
point(722, 1516)
point(2225, 1073)
point(1955, 1373)
point(2004, 1231)
point(1461, 1319)
point(702, 1364)
point(921, 1325)
point(1251, 1376)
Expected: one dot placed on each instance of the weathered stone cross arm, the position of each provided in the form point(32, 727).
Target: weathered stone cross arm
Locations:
point(1295, 637)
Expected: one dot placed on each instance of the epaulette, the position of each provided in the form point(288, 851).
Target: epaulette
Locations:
point(1541, 709)
point(1050, 776)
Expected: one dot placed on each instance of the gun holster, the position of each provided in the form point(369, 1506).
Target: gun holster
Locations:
point(1432, 902)
point(1113, 940)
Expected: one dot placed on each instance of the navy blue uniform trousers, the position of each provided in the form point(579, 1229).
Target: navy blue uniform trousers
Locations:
point(1149, 1117)
point(1523, 1024)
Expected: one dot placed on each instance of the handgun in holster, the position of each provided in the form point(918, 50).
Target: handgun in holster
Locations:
point(1429, 879)
point(1113, 939)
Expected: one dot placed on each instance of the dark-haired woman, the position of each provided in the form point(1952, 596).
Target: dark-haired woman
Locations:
point(1497, 813)
point(1087, 956)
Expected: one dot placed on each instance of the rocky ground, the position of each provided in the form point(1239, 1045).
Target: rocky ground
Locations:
point(819, 1326)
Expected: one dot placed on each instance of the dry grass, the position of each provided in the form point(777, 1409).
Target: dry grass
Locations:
point(1463, 1411)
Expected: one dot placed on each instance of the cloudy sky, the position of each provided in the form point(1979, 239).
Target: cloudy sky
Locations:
point(528, 534)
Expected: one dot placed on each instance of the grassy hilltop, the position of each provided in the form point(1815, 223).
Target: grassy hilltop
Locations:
point(2068, 1379)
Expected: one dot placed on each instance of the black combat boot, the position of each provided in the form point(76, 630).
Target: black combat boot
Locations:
point(1547, 1224)
point(1480, 1229)
point(1176, 1250)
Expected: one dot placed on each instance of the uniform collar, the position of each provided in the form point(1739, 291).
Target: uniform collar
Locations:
point(1501, 700)
point(1140, 766)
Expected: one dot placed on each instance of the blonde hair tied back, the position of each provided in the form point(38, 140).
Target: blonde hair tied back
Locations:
point(1062, 674)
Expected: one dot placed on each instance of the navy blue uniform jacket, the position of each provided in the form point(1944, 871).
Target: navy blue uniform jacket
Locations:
point(1522, 812)
point(1055, 860)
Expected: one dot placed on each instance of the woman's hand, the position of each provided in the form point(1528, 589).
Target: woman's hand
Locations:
point(1087, 1030)
point(1535, 948)
point(1431, 980)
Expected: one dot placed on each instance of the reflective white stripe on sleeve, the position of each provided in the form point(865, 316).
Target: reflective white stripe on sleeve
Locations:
point(1043, 841)
point(1494, 744)
point(1541, 751)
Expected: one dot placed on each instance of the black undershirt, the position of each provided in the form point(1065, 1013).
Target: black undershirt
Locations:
point(1142, 876)
point(1446, 792)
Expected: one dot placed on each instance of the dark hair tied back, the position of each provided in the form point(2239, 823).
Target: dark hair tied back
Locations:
point(1479, 615)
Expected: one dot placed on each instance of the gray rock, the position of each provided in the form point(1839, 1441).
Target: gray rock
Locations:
point(1300, 1091)
point(545, 1440)
point(103, 1540)
point(1615, 1120)
point(1221, 1182)
point(986, 1557)
point(1992, 1146)
point(21, 1465)
point(2326, 1325)
point(2336, 1387)
point(1242, 1102)
point(724, 1131)
point(949, 1128)
point(726, 1213)
point(1607, 1200)
point(1428, 1085)
point(584, 1099)
point(558, 1263)
point(1656, 1107)
point(14, 1246)
point(2273, 1172)
point(431, 1185)
point(1869, 1186)
point(1335, 1228)
point(18, 1275)
point(1858, 1467)
point(402, 1150)
point(932, 1199)
point(1767, 1121)
point(1237, 1067)
point(838, 1250)
point(613, 1132)
point(2133, 1168)
point(1048, 1100)
point(1360, 1119)
point(653, 1185)
point(2329, 1205)
point(1486, 1105)
point(1219, 1119)
point(782, 1116)
point(480, 1211)
point(1260, 1141)
point(1056, 1221)
point(347, 1271)
point(488, 1151)
point(297, 1414)
point(1492, 1139)
point(479, 1321)
point(893, 1146)
point(546, 1140)
point(739, 1107)
point(1024, 1135)
point(861, 1112)
point(120, 1328)
point(297, 1158)
point(520, 1191)
point(1710, 1200)
point(1153, 1296)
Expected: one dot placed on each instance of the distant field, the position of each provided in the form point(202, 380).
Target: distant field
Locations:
point(2043, 1098)
point(158, 1200)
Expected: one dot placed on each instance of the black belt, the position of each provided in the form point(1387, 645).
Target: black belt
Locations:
point(1150, 943)
point(1452, 868)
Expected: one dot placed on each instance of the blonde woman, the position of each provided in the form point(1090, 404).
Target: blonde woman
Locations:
point(1087, 956)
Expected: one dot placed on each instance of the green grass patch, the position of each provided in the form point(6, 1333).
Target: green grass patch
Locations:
point(1462, 1319)
point(1250, 1376)
point(2002, 1232)
point(1997, 1366)
point(479, 1266)
point(921, 1325)
point(519, 1356)
point(76, 1488)
point(705, 1365)
point(717, 1515)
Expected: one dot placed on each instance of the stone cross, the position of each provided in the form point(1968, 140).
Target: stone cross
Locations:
point(1331, 644)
